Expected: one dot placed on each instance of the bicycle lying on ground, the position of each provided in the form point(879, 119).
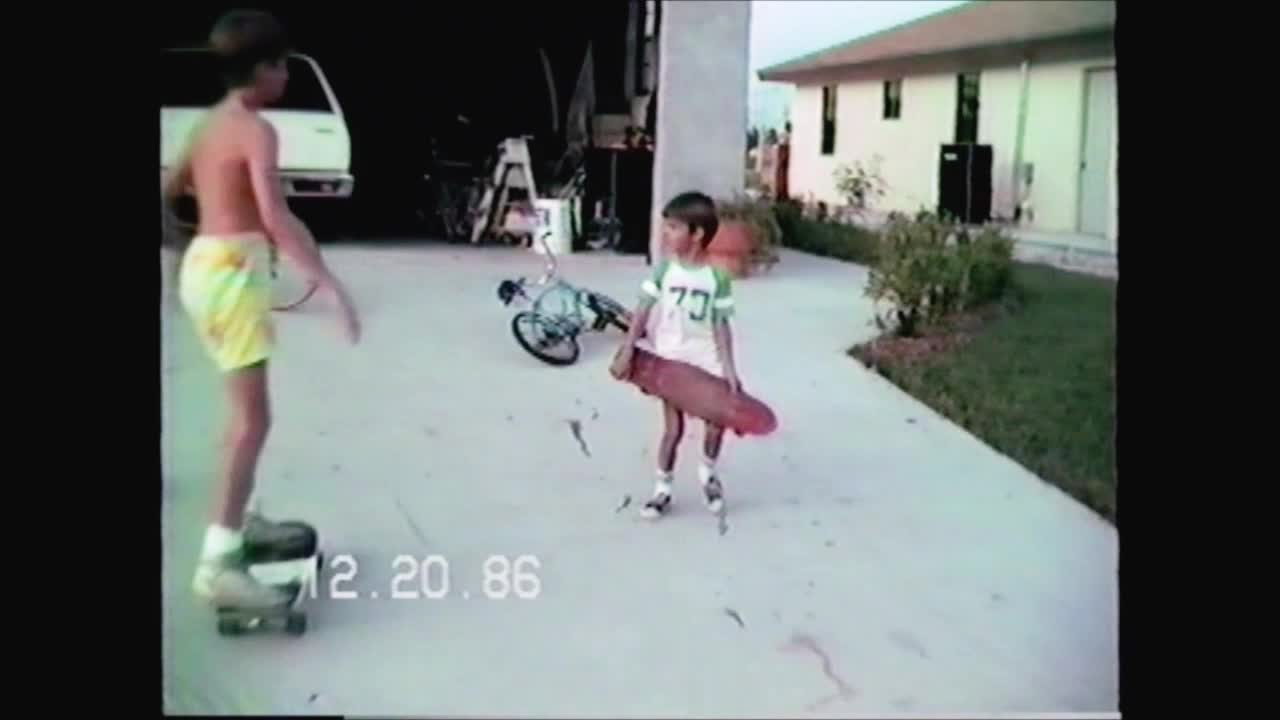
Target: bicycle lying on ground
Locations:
point(549, 329)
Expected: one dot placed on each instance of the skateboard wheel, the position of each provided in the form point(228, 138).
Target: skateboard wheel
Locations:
point(295, 624)
point(228, 626)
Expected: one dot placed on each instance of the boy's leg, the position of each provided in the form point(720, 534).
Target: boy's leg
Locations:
point(712, 490)
point(221, 574)
point(246, 435)
point(672, 432)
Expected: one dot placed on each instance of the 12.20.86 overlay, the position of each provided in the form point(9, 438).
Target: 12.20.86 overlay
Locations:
point(429, 578)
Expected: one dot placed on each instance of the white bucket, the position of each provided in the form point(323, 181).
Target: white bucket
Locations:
point(554, 217)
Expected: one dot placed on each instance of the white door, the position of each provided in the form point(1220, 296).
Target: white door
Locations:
point(1095, 162)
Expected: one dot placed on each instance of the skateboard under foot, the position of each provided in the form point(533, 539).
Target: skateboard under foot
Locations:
point(237, 621)
point(291, 563)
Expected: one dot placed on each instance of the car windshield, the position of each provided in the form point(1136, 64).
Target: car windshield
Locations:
point(189, 79)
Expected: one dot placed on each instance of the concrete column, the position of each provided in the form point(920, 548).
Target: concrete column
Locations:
point(702, 102)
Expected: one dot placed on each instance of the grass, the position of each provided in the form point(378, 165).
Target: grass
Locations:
point(1034, 379)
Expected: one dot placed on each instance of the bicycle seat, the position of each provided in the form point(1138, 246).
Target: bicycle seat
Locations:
point(509, 289)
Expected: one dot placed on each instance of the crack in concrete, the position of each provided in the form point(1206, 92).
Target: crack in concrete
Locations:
point(736, 617)
point(907, 642)
point(843, 690)
point(409, 519)
point(626, 500)
point(575, 427)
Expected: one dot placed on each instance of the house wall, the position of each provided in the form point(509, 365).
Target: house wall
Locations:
point(909, 146)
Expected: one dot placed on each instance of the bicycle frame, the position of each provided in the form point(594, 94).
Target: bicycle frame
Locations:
point(559, 307)
point(571, 297)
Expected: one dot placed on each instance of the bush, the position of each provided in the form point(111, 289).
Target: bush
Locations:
point(825, 238)
point(860, 185)
point(929, 268)
point(989, 260)
point(759, 215)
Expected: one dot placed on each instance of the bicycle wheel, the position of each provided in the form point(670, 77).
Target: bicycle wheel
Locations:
point(609, 310)
point(539, 335)
point(288, 288)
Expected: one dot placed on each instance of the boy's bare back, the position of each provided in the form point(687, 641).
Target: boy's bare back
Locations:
point(225, 153)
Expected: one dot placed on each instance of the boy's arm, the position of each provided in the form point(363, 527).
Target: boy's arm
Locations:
point(177, 179)
point(639, 321)
point(289, 234)
point(722, 308)
point(650, 291)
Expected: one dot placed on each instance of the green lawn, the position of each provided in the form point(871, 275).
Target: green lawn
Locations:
point(1036, 382)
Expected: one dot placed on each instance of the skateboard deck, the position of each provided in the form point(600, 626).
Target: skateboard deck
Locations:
point(238, 620)
point(697, 392)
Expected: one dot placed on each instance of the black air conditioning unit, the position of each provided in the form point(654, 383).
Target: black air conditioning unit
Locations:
point(964, 183)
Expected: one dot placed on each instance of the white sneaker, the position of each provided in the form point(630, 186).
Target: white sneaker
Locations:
point(226, 585)
point(657, 506)
point(713, 493)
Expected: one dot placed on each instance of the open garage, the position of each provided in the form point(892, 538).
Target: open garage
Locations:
point(421, 86)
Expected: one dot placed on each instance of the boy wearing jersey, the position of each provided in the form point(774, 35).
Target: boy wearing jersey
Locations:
point(690, 304)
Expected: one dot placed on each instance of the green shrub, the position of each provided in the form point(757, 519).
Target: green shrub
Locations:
point(825, 238)
point(989, 263)
point(929, 268)
point(860, 185)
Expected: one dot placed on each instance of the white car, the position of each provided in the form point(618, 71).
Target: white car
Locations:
point(315, 145)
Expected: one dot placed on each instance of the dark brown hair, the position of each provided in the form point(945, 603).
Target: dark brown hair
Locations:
point(696, 210)
point(244, 39)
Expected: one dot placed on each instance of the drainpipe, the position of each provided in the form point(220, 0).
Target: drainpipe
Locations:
point(1018, 174)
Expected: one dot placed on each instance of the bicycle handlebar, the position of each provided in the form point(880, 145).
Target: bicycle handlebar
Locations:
point(552, 265)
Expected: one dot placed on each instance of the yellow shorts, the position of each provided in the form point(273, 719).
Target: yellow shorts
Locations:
point(225, 286)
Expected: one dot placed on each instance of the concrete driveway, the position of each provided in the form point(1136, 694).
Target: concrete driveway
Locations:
point(877, 559)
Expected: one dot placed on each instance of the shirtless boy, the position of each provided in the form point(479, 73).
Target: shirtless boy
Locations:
point(224, 282)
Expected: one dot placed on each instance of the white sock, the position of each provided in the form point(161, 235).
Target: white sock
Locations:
point(220, 541)
point(706, 470)
point(663, 486)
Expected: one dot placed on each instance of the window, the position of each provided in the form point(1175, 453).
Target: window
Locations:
point(892, 99)
point(304, 91)
point(189, 79)
point(967, 108)
point(828, 119)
